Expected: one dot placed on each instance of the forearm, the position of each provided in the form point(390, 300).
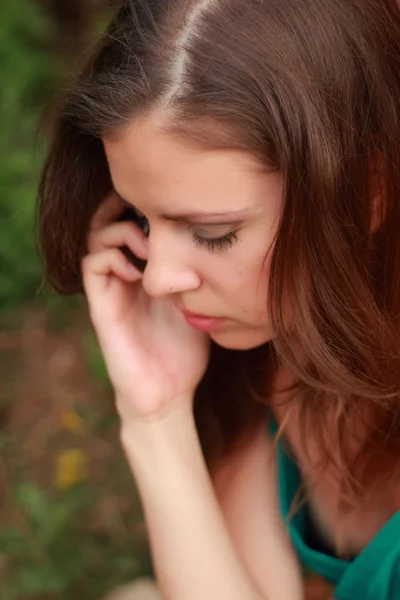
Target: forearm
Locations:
point(193, 553)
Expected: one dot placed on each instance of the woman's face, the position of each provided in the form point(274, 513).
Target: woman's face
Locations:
point(212, 216)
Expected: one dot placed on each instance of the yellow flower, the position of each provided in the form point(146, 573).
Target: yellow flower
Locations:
point(71, 468)
point(71, 421)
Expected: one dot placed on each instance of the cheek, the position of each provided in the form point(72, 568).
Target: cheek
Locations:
point(253, 275)
point(242, 280)
point(250, 291)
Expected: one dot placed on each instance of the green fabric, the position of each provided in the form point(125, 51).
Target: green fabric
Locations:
point(373, 575)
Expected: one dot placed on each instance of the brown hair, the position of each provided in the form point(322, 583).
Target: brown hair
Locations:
point(312, 87)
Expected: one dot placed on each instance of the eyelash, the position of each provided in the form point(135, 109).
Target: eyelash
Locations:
point(212, 245)
point(217, 244)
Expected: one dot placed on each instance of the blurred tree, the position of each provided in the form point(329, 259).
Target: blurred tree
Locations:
point(72, 19)
point(38, 41)
point(28, 82)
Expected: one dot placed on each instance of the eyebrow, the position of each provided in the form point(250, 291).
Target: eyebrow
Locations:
point(225, 218)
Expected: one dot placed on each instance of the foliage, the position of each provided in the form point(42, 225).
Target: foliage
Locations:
point(95, 361)
point(28, 77)
point(70, 527)
point(46, 555)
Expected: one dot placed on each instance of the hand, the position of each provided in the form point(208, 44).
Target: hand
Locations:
point(153, 357)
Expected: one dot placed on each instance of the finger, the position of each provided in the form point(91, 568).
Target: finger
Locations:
point(109, 210)
point(97, 270)
point(125, 233)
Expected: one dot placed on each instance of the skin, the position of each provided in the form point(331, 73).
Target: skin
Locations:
point(142, 334)
point(163, 176)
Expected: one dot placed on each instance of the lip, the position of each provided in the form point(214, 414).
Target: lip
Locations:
point(203, 322)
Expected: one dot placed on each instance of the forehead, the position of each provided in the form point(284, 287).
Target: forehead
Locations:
point(162, 167)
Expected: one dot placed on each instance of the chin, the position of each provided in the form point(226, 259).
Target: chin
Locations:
point(244, 339)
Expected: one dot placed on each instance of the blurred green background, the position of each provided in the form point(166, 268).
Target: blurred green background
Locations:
point(70, 519)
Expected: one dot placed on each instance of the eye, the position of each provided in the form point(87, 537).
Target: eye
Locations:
point(215, 244)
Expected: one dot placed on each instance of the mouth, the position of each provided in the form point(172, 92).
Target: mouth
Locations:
point(203, 322)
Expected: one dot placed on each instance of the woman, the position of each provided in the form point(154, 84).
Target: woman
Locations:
point(255, 360)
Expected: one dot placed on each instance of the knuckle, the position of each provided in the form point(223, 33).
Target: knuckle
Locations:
point(115, 257)
point(121, 259)
point(125, 228)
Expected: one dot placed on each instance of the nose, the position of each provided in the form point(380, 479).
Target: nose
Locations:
point(167, 273)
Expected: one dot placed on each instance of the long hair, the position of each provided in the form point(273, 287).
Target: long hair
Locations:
point(312, 88)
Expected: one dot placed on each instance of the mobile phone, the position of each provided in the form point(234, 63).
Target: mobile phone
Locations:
point(130, 214)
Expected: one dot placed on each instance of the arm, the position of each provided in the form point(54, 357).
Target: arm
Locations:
point(194, 555)
point(246, 488)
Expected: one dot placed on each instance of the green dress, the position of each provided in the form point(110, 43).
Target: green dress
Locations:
point(373, 575)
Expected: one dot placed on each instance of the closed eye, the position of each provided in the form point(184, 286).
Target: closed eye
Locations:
point(215, 244)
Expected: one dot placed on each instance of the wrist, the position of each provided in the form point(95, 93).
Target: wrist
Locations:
point(150, 412)
point(162, 427)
